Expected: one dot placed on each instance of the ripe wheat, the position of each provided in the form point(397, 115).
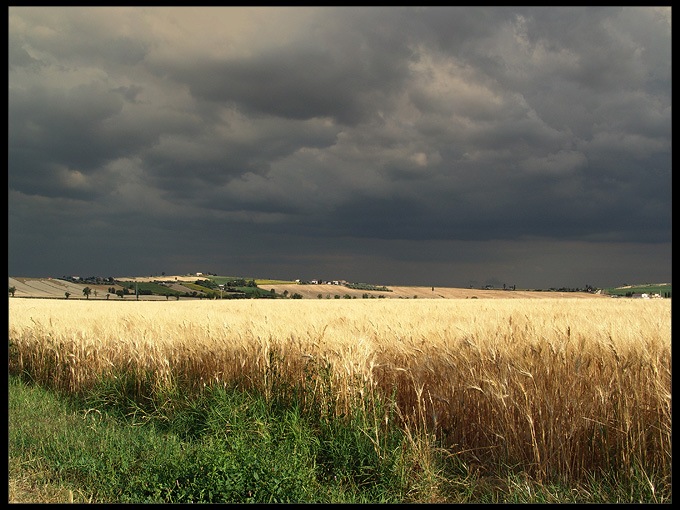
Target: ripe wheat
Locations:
point(553, 385)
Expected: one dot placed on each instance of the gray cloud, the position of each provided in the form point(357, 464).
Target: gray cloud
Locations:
point(306, 139)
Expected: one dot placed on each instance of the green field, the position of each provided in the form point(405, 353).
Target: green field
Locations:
point(149, 287)
point(663, 289)
point(234, 287)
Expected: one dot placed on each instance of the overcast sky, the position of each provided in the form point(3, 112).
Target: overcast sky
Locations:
point(450, 146)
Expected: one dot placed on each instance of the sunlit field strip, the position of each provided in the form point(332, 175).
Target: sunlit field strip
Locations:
point(556, 385)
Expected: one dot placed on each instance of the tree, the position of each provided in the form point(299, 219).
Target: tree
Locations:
point(67, 294)
point(86, 292)
point(12, 290)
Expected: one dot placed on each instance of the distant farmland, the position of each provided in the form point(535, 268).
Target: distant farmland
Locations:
point(183, 285)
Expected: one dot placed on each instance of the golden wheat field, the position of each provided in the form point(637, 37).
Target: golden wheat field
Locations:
point(555, 385)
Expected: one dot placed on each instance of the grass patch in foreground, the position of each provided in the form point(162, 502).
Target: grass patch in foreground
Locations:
point(226, 446)
point(231, 446)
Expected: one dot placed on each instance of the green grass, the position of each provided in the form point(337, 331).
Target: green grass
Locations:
point(226, 446)
point(161, 290)
point(234, 446)
point(248, 291)
point(155, 288)
point(226, 280)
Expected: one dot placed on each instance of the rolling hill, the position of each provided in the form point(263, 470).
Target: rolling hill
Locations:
point(56, 289)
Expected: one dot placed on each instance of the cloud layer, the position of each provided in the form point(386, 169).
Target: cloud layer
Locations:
point(404, 145)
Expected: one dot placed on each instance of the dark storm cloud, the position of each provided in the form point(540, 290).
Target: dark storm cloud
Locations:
point(301, 86)
point(352, 130)
point(344, 71)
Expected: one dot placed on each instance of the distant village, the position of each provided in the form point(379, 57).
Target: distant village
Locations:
point(642, 295)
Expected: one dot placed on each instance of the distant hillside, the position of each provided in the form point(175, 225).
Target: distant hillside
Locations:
point(662, 289)
point(186, 288)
